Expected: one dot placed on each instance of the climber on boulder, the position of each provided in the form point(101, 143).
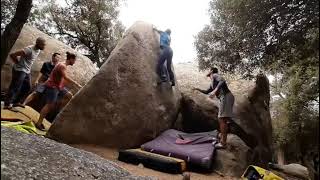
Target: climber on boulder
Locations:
point(220, 89)
point(166, 54)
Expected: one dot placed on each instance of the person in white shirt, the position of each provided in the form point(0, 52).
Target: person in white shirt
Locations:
point(21, 77)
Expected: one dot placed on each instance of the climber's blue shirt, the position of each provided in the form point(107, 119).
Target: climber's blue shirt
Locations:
point(164, 39)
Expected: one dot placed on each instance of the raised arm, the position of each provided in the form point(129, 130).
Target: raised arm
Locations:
point(209, 90)
point(155, 29)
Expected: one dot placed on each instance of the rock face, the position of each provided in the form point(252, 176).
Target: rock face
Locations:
point(25, 156)
point(295, 170)
point(251, 116)
point(82, 71)
point(234, 160)
point(122, 105)
point(199, 113)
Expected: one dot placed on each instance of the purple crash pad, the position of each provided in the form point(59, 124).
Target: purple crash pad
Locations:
point(196, 148)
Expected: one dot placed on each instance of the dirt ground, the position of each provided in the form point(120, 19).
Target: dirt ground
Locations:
point(112, 155)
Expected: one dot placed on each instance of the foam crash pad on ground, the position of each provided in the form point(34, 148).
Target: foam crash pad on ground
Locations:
point(153, 161)
point(26, 127)
point(22, 114)
point(197, 149)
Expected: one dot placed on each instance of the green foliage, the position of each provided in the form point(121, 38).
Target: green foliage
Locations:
point(90, 26)
point(8, 8)
point(248, 35)
point(280, 38)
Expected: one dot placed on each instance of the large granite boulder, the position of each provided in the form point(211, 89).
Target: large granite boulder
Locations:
point(26, 156)
point(82, 71)
point(199, 113)
point(253, 115)
point(251, 122)
point(122, 105)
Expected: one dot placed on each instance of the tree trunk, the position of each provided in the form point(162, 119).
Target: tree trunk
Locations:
point(13, 29)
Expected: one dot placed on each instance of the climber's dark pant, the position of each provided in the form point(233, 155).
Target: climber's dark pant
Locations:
point(165, 55)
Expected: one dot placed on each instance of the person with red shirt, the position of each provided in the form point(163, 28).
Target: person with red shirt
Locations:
point(54, 87)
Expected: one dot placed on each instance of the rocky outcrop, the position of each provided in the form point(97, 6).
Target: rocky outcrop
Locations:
point(253, 115)
point(122, 105)
point(26, 156)
point(295, 170)
point(251, 122)
point(199, 113)
point(82, 71)
point(234, 160)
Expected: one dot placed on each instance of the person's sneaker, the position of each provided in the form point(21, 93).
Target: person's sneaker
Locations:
point(214, 143)
point(40, 126)
point(18, 105)
point(220, 146)
point(7, 107)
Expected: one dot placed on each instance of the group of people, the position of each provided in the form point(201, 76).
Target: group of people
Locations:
point(49, 84)
point(218, 87)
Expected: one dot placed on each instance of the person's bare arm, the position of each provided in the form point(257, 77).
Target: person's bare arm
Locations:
point(14, 56)
point(36, 82)
point(68, 79)
point(204, 91)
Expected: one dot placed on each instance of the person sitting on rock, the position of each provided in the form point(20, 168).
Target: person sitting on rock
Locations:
point(54, 87)
point(220, 89)
point(166, 54)
point(20, 84)
point(42, 77)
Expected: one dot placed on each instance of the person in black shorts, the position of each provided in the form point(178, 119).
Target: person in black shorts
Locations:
point(43, 76)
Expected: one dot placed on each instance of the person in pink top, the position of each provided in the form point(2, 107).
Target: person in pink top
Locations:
point(54, 87)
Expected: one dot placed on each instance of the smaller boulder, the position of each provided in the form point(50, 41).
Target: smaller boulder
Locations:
point(233, 160)
point(293, 169)
point(199, 113)
point(26, 156)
